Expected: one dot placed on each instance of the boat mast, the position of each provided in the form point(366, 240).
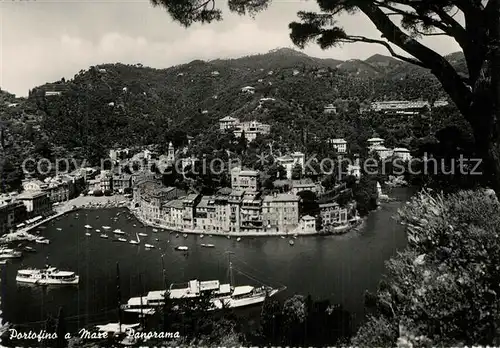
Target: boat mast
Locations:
point(140, 293)
point(231, 278)
point(118, 293)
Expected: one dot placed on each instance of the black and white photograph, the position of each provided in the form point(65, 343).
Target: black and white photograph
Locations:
point(249, 173)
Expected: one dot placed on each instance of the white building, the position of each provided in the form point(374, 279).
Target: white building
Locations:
point(251, 129)
point(340, 145)
point(382, 151)
point(289, 162)
point(227, 122)
point(330, 109)
point(373, 142)
point(402, 153)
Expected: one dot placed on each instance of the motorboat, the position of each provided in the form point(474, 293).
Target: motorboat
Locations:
point(239, 238)
point(182, 248)
point(149, 246)
point(10, 254)
point(88, 227)
point(155, 230)
point(88, 234)
point(177, 235)
point(185, 235)
point(122, 239)
point(207, 246)
point(291, 242)
point(103, 235)
point(106, 227)
point(47, 276)
point(98, 231)
point(201, 236)
point(29, 249)
point(157, 239)
point(42, 240)
point(118, 231)
point(59, 229)
point(143, 234)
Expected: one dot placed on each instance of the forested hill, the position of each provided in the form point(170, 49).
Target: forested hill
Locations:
point(117, 104)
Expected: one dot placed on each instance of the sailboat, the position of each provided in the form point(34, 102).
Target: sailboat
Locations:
point(135, 241)
point(221, 295)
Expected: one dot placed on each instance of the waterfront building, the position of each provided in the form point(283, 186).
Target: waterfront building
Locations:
point(106, 181)
point(189, 203)
point(250, 214)
point(245, 180)
point(205, 214)
point(307, 224)
point(340, 145)
point(121, 182)
point(36, 202)
point(280, 212)
point(11, 213)
point(173, 213)
point(332, 214)
point(297, 186)
point(402, 153)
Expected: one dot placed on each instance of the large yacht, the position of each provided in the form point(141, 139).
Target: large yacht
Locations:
point(221, 295)
point(47, 276)
point(10, 254)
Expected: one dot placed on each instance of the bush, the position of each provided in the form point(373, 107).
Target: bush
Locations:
point(442, 290)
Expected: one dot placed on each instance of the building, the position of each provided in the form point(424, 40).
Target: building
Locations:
point(251, 129)
point(330, 109)
point(340, 145)
point(11, 213)
point(248, 89)
point(188, 216)
point(250, 215)
point(397, 106)
point(372, 142)
point(332, 214)
point(302, 185)
point(227, 122)
point(382, 151)
point(402, 153)
point(290, 161)
point(121, 182)
point(307, 224)
point(245, 180)
point(37, 203)
point(280, 212)
point(440, 103)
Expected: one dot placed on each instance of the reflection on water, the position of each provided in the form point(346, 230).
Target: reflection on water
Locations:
point(339, 268)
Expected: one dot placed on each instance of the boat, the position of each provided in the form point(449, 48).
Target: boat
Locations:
point(208, 246)
point(42, 240)
point(88, 227)
point(239, 238)
point(182, 248)
point(98, 231)
point(185, 235)
point(149, 246)
point(282, 237)
point(155, 230)
point(59, 229)
point(143, 234)
point(158, 239)
point(106, 227)
point(29, 249)
point(88, 234)
point(228, 237)
point(118, 231)
point(134, 225)
point(135, 241)
point(177, 235)
point(47, 276)
point(10, 254)
point(221, 295)
point(103, 235)
point(201, 236)
point(122, 239)
point(3, 262)
point(291, 242)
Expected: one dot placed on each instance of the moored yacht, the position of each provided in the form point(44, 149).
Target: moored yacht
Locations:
point(118, 231)
point(221, 295)
point(47, 276)
point(10, 254)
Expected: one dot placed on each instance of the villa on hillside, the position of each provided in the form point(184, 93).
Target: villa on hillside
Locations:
point(250, 128)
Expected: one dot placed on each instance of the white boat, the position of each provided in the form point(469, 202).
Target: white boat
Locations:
point(59, 229)
point(228, 237)
point(3, 262)
point(155, 230)
point(106, 227)
point(42, 240)
point(221, 295)
point(291, 242)
point(88, 234)
point(118, 231)
point(157, 239)
point(149, 246)
point(185, 235)
point(208, 246)
point(47, 276)
point(201, 236)
point(239, 238)
point(104, 235)
point(135, 241)
point(182, 248)
point(88, 227)
point(98, 231)
point(122, 239)
point(143, 234)
point(10, 254)
point(282, 237)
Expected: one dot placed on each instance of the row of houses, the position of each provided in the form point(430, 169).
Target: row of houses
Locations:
point(404, 107)
point(249, 128)
point(376, 145)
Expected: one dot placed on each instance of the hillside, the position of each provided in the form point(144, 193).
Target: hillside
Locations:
point(126, 105)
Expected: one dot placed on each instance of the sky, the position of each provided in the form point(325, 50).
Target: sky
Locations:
point(44, 40)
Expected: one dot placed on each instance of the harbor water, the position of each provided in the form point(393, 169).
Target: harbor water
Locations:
point(339, 268)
